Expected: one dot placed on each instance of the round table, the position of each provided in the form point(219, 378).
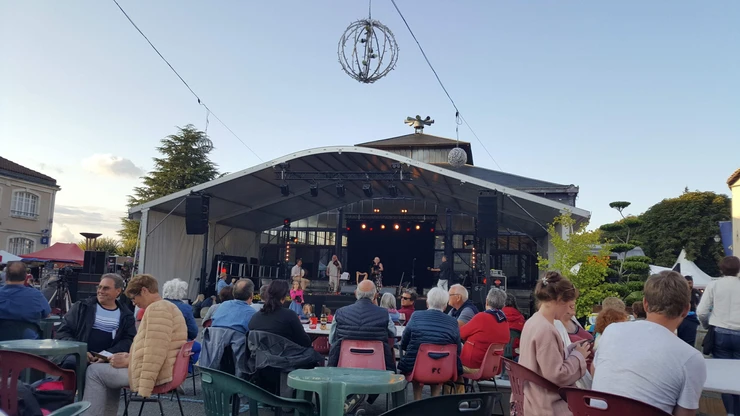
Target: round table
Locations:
point(334, 384)
point(53, 348)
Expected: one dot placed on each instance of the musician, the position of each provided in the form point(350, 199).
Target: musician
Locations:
point(297, 274)
point(376, 272)
point(334, 270)
point(445, 272)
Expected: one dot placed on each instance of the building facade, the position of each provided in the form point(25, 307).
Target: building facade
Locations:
point(26, 208)
point(734, 183)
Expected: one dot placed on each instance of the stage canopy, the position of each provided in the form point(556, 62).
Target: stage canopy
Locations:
point(59, 252)
point(6, 257)
point(245, 203)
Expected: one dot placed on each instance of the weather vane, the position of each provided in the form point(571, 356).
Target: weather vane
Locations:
point(367, 50)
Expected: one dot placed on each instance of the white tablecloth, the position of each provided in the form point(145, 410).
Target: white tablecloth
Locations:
point(723, 376)
point(319, 331)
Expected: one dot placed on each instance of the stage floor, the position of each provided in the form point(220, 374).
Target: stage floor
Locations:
point(334, 302)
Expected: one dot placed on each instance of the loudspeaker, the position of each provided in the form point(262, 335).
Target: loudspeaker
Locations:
point(479, 294)
point(196, 214)
point(488, 216)
point(87, 285)
point(95, 262)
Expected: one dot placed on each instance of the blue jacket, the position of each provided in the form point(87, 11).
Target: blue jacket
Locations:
point(428, 327)
point(187, 313)
point(362, 321)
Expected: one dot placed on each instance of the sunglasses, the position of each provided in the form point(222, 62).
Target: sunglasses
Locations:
point(405, 298)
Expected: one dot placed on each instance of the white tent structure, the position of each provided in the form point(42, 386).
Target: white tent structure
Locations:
point(657, 269)
point(689, 268)
point(6, 257)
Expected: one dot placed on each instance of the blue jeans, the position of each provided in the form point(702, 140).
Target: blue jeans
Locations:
point(727, 345)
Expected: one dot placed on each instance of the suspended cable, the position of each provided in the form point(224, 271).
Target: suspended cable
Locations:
point(442, 85)
point(184, 82)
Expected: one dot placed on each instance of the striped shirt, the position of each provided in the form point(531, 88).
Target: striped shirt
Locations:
point(104, 329)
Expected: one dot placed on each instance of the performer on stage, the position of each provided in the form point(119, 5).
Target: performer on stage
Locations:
point(297, 274)
point(445, 271)
point(334, 270)
point(376, 271)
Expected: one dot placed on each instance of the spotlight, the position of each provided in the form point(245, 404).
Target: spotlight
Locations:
point(363, 226)
point(367, 189)
point(404, 211)
point(314, 190)
point(340, 190)
point(393, 191)
point(396, 226)
point(376, 210)
point(371, 228)
point(418, 227)
point(382, 226)
point(286, 222)
point(408, 229)
point(431, 229)
point(285, 189)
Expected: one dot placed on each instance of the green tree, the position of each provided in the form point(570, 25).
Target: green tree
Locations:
point(577, 249)
point(689, 222)
point(620, 237)
point(184, 163)
point(107, 244)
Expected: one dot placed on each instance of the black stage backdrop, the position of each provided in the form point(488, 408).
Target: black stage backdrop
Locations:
point(396, 248)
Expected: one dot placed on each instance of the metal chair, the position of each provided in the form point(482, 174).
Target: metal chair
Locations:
point(12, 363)
point(518, 375)
point(471, 404)
point(580, 402)
point(73, 409)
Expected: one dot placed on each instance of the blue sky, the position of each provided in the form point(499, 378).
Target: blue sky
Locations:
point(630, 100)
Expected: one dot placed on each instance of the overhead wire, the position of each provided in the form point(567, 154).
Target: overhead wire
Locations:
point(441, 84)
point(200, 102)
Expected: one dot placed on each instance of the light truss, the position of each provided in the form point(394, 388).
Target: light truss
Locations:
point(399, 175)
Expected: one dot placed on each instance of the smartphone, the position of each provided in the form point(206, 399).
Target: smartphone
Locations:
point(103, 355)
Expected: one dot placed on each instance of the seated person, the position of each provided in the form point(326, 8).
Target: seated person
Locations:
point(202, 302)
point(225, 294)
point(663, 371)
point(263, 295)
point(151, 359)
point(235, 314)
point(175, 291)
point(101, 321)
point(486, 328)
point(408, 297)
point(463, 308)
point(431, 326)
point(606, 318)
point(21, 303)
point(638, 311)
point(388, 302)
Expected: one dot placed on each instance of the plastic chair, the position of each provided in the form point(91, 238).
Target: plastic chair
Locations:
point(179, 374)
point(220, 398)
point(489, 369)
point(435, 364)
point(321, 345)
point(362, 354)
point(509, 348)
point(478, 404)
point(73, 409)
point(11, 329)
point(12, 363)
point(518, 375)
point(579, 403)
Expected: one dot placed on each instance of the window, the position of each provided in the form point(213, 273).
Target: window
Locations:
point(21, 245)
point(24, 205)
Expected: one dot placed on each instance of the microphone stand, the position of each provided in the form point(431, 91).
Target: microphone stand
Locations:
point(413, 274)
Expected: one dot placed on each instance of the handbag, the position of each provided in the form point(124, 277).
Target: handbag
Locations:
point(708, 344)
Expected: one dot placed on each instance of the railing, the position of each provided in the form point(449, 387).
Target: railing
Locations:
point(23, 214)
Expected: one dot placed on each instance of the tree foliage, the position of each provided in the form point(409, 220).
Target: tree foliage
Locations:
point(620, 238)
point(184, 163)
point(107, 244)
point(576, 249)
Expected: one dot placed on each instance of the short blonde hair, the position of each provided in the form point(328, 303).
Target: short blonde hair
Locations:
point(667, 293)
point(139, 282)
point(613, 303)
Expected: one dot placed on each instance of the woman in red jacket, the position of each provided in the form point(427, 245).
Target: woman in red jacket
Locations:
point(486, 328)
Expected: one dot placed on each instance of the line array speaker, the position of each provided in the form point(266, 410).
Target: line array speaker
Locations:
point(488, 216)
point(95, 262)
point(196, 214)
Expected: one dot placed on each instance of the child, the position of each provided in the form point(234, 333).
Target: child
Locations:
point(307, 310)
point(296, 295)
point(329, 317)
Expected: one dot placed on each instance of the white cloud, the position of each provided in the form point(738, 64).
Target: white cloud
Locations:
point(109, 165)
point(70, 221)
point(50, 168)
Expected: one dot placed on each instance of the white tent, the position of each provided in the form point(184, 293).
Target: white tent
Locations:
point(689, 268)
point(6, 257)
point(657, 269)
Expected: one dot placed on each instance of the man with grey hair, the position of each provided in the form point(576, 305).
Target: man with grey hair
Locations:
point(462, 308)
point(103, 322)
point(486, 328)
point(362, 321)
point(175, 291)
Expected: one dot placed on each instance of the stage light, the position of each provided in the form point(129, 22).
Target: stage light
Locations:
point(408, 229)
point(371, 228)
point(367, 189)
point(418, 227)
point(314, 190)
point(340, 190)
point(382, 226)
point(376, 210)
point(431, 229)
point(393, 191)
point(285, 189)
point(347, 228)
point(286, 223)
point(363, 226)
point(396, 226)
point(403, 211)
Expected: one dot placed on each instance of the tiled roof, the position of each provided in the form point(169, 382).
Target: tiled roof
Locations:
point(413, 140)
point(11, 169)
point(509, 179)
point(733, 178)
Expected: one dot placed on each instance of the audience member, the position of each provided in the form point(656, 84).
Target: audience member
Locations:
point(486, 328)
point(606, 318)
point(431, 326)
point(276, 319)
point(175, 291)
point(225, 294)
point(575, 331)
point(2, 275)
point(263, 298)
point(543, 351)
point(515, 319)
point(21, 303)
point(202, 302)
point(388, 302)
point(462, 308)
point(408, 297)
point(662, 370)
point(235, 314)
point(612, 302)
point(103, 322)
point(152, 357)
point(222, 278)
point(638, 311)
point(564, 325)
point(720, 308)
point(687, 330)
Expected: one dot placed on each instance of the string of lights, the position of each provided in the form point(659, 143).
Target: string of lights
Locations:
point(209, 112)
point(439, 80)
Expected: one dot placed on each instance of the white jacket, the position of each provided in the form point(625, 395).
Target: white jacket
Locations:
point(720, 304)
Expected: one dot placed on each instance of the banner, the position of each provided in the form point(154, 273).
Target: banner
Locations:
point(725, 231)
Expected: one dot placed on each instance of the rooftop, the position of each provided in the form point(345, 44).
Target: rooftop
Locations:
point(11, 169)
point(734, 178)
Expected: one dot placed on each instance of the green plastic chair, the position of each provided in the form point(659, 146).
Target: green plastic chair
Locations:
point(73, 409)
point(509, 349)
point(220, 390)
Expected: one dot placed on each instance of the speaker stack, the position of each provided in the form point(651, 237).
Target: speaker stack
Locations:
point(93, 268)
point(196, 214)
point(488, 215)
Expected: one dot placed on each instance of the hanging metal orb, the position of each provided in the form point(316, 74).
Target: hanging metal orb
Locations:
point(367, 51)
point(457, 157)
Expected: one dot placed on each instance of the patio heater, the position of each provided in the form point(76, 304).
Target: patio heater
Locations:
point(91, 241)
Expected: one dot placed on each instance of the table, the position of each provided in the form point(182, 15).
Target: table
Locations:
point(722, 376)
point(319, 331)
point(52, 348)
point(334, 384)
point(47, 326)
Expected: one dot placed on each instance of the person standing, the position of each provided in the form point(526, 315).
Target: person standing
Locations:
point(334, 270)
point(445, 272)
point(376, 271)
point(297, 274)
point(689, 325)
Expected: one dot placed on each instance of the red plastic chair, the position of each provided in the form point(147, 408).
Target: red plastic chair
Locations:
point(435, 364)
point(579, 402)
point(518, 375)
point(362, 354)
point(321, 345)
point(490, 367)
point(12, 363)
point(179, 374)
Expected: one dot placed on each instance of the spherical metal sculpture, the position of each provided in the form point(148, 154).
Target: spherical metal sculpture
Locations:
point(457, 157)
point(367, 51)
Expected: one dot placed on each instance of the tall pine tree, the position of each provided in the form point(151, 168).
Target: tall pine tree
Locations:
point(184, 163)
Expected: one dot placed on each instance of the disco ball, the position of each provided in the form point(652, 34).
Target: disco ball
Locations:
point(367, 51)
point(457, 157)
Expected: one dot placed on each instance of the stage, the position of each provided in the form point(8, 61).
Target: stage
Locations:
point(334, 302)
